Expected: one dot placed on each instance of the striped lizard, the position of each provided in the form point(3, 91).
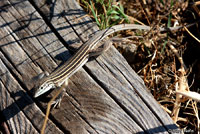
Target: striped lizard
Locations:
point(59, 78)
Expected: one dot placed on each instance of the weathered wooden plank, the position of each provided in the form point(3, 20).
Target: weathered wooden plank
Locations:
point(87, 108)
point(17, 121)
point(73, 115)
point(125, 88)
point(94, 88)
point(23, 69)
point(101, 112)
point(20, 36)
point(28, 17)
point(19, 26)
point(22, 99)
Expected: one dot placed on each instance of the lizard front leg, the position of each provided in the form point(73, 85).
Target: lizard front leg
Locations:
point(50, 103)
point(56, 103)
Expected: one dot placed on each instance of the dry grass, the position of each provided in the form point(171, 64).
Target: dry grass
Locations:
point(168, 62)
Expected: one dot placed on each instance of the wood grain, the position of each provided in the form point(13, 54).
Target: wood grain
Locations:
point(105, 96)
point(16, 119)
point(19, 63)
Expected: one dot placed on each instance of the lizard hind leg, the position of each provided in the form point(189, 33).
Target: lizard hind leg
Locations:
point(104, 47)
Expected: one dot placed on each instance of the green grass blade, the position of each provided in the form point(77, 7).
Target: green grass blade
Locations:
point(94, 14)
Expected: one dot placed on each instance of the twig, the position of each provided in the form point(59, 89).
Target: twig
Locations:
point(191, 34)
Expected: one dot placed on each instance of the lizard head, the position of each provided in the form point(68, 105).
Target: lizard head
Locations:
point(43, 85)
point(43, 88)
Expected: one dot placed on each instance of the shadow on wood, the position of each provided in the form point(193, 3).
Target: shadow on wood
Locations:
point(105, 96)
